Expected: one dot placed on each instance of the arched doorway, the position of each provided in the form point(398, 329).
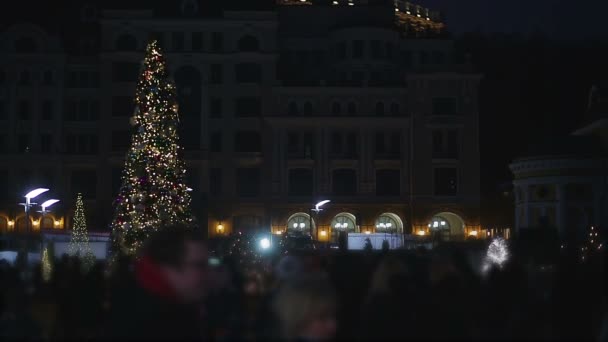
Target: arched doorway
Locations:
point(342, 224)
point(47, 223)
point(447, 225)
point(300, 223)
point(21, 225)
point(389, 223)
point(3, 224)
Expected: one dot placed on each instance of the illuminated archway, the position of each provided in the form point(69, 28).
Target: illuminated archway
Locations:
point(389, 223)
point(300, 222)
point(447, 224)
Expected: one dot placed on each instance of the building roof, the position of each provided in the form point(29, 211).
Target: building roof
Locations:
point(564, 146)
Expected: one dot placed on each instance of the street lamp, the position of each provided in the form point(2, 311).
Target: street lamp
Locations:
point(316, 209)
point(47, 204)
point(27, 205)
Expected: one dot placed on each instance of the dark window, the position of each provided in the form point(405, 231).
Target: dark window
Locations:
point(445, 182)
point(188, 83)
point(26, 45)
point(395, 143)
point(357, 49)
point(71, 144)
point(24, 143)
point(380, 143)
point(5, 183)
point(178, 41)
point(122, 106)
point(216, 73)
point(24, 110)
point(394, 109)
point(437, 137)
point(125, 71)
point(47, 78)
point(247, 141)
point(336, 143)
point(293, 108)
point(336, 108)
point(83, 110)
point(217, 41)
point(215, 107)
point(376, 49)
point(197, 41)
point(344, 182)
point(424, 57)
point(307, 108)
point(452, 146)
point(216, 142)
point(71, 110)
point(3, 147)
point(300, 182)
point(444, 106)
point(351, 145)
point(121, 141)
point(293, 145)
point(46, 142)
point(94, 79)
point(389, 50)
point(158, 36)
point(248, 43)
point(72, 79)
point(215, 181)
point(83, 79)
point(352, 108)
point(93, 147)
point(189, 133)
point(126, 42)
point(24, 78)
point(380, 109)
point(85, 182)
point(248, 182)
point(388, 182)
point(248, 73)
point(47, 110)
point(407, 58)
point(248, 107)
point(2, 110)
point(2, 77)
point(94, 110)
point(341, 50)
point(438, 57)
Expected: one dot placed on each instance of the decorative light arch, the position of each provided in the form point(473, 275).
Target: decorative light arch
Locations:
point(389, 223)
point(299, 222)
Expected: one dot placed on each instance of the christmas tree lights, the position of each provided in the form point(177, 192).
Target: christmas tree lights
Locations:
point(47, 266)
point(79, 243)
point(153, 191)
point(497, 254)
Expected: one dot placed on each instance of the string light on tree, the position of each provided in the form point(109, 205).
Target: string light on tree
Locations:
point(79, 243)
point(153, 191)
point(47, 266)
point(497, 254)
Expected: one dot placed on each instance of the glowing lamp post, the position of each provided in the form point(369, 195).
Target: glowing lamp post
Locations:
point(317, 209)
point(27, 205)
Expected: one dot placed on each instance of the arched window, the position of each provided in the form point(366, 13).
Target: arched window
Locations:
point(293, 108)
point(344, 222)
point(394, 109)
point(21, 225)
point(389, 223)
point(299, 222)
point(248, 43)
point(126, 42)
point(26, 45)
point(352, 108)
point(307, 108)
point(380, 109)
point(336, 108)
point(447, 224)
point(47, 223)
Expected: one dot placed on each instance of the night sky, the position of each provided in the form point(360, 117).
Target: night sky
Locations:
point(561, 19)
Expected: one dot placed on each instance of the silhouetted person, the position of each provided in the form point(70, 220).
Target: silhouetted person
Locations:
point(169, 285)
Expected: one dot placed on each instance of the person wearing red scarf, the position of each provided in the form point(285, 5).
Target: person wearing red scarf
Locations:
point(168, 285)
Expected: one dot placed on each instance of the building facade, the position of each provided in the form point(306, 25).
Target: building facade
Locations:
point(364, 103)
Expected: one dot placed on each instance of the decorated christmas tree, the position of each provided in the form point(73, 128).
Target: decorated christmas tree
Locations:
point(153, 191)
point(79, 243)
point(46, 265)
point(592, 245)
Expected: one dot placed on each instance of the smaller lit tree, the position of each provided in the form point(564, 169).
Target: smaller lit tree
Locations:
point(592, 245)
point(46, 265)
point(79, 243)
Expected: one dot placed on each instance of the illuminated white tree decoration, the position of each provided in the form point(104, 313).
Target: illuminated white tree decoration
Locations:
point(79, 243)
point(47, 266)
point(497, 254)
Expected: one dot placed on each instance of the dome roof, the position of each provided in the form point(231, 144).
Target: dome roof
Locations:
point(562, 146)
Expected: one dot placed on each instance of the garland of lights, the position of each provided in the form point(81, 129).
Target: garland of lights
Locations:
point(79, 243)
point(153, 191)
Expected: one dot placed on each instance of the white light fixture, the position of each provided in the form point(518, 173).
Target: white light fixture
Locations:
point(36, 192)
point(388, 225)
point(295, 225)
point(319, 205)
point(337, 225)
point(265, 243)
point(335, 2)
point(47, 204)
point(435, 224)
point(443, 223)
point(302, 225)
point(188, 189)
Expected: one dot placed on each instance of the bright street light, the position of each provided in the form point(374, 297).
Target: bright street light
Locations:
point(265, 243)
point(36, 192)
point(48, 203)
point(320, 204)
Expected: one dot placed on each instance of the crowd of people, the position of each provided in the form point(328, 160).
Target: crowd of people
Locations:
point(172, 291)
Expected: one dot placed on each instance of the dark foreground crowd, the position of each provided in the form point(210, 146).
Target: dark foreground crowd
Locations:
point(171, 292)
